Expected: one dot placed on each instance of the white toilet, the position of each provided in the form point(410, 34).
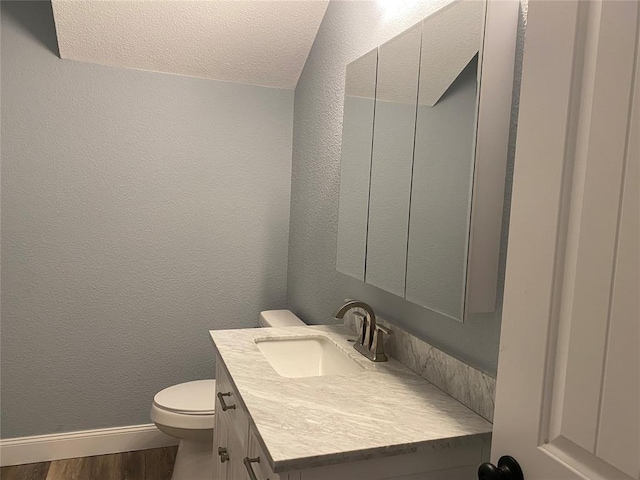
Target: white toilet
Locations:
point(186, 411)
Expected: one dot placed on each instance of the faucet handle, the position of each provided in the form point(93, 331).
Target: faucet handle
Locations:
point(377, 346)
point(384, 330)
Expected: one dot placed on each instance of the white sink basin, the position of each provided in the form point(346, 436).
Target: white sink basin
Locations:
point(315, 356)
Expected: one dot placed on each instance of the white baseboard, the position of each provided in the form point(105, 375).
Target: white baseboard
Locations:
point(87, 443)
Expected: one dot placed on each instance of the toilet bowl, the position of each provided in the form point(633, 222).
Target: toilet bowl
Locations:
point(186, 412)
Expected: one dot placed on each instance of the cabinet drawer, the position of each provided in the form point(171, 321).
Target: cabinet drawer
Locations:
point(235, 414)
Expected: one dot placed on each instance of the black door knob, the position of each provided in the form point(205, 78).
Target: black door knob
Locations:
point(507, 469)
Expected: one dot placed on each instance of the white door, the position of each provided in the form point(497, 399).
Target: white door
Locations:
point(568, 401)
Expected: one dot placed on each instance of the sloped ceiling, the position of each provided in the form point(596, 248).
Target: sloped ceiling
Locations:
point(256, 42)
point(451, 38)
point(454, 36)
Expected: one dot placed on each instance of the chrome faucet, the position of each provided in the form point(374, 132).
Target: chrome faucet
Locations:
point(370, 342)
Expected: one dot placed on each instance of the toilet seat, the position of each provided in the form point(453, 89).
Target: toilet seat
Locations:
point(187, 405)
point(189, 398)
point(180, 420)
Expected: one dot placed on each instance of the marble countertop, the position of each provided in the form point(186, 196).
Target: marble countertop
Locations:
point(309, 422)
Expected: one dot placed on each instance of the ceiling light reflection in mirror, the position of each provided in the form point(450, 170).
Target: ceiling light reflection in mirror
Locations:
point(393, 8)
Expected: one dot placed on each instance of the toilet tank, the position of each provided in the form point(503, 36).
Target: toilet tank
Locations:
point(279, 318)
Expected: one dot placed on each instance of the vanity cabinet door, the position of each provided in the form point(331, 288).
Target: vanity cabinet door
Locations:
point(236, 415)
point(231, 431)
point(228, 462)
point(220, 441)
point(237, 453)
point(261, 468)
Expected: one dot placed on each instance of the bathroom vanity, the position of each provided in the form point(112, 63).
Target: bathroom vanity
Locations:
point(300, 403)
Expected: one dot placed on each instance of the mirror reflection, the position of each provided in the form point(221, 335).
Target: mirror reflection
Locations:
point(443, 163)
point(395, 116)
point(357, 135)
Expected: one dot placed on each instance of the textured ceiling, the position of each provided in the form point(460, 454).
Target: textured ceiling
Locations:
point(257, 42)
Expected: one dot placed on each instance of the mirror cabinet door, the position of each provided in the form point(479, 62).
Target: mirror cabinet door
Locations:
point(443, 167)
point(355, 166)
point(394, 126)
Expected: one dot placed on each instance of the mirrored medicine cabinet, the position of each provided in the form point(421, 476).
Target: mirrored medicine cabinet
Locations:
point(424, 152)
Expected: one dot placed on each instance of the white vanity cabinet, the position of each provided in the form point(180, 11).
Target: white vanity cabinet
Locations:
point(236, 441)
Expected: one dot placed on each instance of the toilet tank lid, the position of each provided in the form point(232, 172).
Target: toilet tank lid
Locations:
point(195, 398)
point(279, 318)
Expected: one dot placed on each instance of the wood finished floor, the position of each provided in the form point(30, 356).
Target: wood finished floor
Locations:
point(156, 464)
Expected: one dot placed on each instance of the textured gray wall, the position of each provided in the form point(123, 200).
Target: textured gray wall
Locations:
point(139, 210)
point(314, 288)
